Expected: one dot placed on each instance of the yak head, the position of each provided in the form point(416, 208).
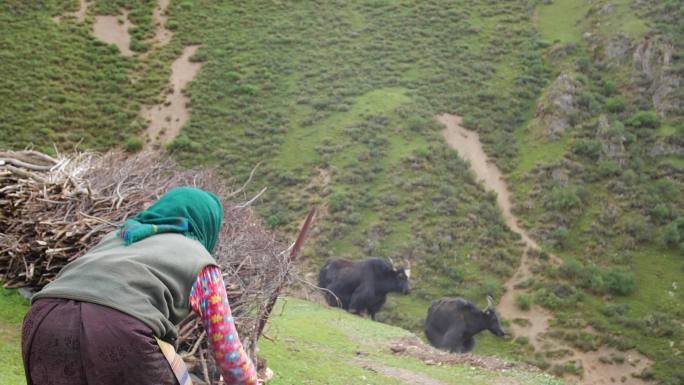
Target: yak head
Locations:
point(491, 319)
point(400, 278)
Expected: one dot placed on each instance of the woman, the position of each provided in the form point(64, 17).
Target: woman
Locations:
point(98, 322)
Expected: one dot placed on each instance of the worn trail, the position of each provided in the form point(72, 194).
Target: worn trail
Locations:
point(167, 119)
point(79, 15)
point(595, 372)
point(110, 30)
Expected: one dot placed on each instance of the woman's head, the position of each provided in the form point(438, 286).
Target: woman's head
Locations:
point(190, 210)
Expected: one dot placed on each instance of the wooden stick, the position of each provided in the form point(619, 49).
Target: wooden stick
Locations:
point(274, 297)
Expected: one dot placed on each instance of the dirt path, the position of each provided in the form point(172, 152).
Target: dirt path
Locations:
point(159, 18)
point(167, 119)
point(110, 30)
point(404, 375)
point(79, 15)
point(536, 320)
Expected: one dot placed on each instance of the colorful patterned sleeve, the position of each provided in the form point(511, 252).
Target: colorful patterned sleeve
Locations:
point(208, 299)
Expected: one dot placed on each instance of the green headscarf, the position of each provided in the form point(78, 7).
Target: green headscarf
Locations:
point(186, 210)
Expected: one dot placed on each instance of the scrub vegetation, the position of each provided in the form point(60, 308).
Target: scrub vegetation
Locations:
point(580, 104)
point(12, 310)
point(339, 347)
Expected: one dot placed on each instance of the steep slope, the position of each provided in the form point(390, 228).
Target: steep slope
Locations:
point(315, 345)
point(578, 103)
point(599, 178)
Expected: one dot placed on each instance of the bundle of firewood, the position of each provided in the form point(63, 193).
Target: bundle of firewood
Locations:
point(53, 209)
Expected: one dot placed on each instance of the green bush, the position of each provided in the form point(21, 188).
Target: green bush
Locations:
point(609, 87)
point(637, 227)
point(560, 236)
point(615, 104)
point(562, 198)
point(679, 133)
point(588, 147)
point(608, 167)
point(662, 213)
point(667, 189)
point(246, 89)
point(673, 234)
point(523, 301)
point(338, 201)
point(417, 123)
point(614, 280)
point(619, 281)
point(644, 119)
point(134, 144)
point(232, 75)
point(274, 220)
point(183, 143)
point(172, 25)
point(611, 310)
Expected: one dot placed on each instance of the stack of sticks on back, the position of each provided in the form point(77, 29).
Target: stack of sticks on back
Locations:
point(53, 209)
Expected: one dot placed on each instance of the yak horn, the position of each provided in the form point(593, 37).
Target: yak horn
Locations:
point(407, 269)
point(490, 302)
point(391, 261)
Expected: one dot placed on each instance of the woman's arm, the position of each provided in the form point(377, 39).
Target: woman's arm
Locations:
point(208, 299)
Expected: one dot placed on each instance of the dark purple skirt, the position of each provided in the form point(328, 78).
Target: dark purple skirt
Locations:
point(66, 342)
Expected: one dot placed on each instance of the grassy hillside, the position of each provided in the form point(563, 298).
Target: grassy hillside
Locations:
point(310, 344)
point(12, 310)
point(605, 193)
point(315, 344)
point(337, 100)
point(578, 102)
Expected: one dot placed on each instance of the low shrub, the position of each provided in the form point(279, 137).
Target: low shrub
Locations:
point(134, 144)
point(523, 301)
point(615, 104)
point(644, 119)
point(673, 234)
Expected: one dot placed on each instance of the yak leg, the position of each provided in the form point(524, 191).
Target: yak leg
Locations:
point(359, 299)
point(374, 308)
point(336, 297)
point(468, 344)
point(453, 340)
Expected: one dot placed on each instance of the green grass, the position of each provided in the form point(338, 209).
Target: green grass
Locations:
point(351, 88)
point(12, 310)
point(534, 149)
point(298, 149)
point(62, 87)
point(624, 18)
point(314, 345)
point(562, 20)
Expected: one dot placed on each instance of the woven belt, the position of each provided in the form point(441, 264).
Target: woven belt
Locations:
point(176, 362)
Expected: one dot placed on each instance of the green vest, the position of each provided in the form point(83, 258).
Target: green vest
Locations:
point(150, 279)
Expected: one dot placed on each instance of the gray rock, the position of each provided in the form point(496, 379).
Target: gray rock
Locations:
point(607, 8)
point(652, 69)
point(558, 105)
point(614, 51)
point(662, 149)
point(612, 140)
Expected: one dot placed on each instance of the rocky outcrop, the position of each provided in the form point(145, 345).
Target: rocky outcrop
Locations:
point(612, 140)
point(652, 68)
point(663, 148)
point(652, 71)
point(613, 51)
point(556, 109)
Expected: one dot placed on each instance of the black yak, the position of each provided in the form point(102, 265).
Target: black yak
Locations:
point(452, 323)
point(361, 286)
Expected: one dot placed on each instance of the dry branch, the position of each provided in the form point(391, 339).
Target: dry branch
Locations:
point(53, 210)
